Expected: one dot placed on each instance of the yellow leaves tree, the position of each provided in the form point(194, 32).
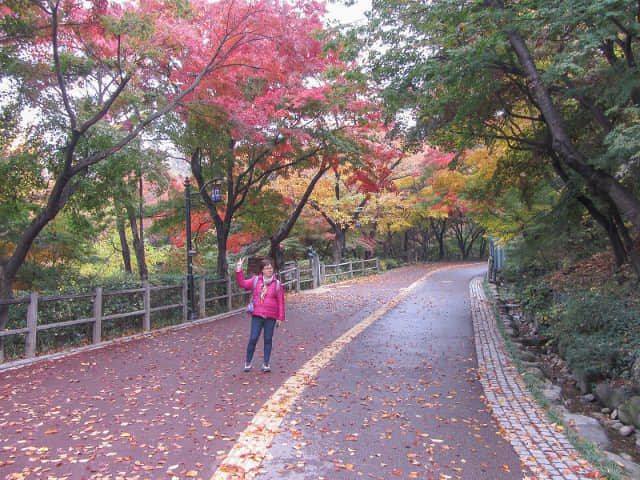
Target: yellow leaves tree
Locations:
point(400, 211)
point(342, 205)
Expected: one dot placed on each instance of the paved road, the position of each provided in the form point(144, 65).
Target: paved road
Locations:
point(373, 378)
point(401, 400)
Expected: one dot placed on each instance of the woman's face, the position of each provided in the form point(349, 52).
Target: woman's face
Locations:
point(267, 270)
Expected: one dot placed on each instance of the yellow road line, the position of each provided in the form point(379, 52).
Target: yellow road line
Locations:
point(244, 459)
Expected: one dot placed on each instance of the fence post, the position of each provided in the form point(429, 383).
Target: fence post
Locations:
point(97, 316)
point(323, 274)
point(202, 299)
point(297, 277)
point(32, 325)
point(229, 294)
point(350, 268)
point(377, 265)
point(146, 319)
point(314, 274)
point(362, 271)
point(185, 306)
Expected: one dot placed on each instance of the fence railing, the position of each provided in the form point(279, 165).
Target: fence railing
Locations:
point(347, 270)
point(143, 309)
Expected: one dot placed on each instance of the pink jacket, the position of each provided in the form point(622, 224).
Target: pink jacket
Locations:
point(272, 306)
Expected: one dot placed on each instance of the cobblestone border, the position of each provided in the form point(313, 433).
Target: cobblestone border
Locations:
point(542, 447)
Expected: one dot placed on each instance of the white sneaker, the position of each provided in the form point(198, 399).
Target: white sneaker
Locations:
point(247, 367)
point(266, 368)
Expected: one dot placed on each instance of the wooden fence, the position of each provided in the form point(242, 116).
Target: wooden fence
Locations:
point(347, 270)
point(213, 296)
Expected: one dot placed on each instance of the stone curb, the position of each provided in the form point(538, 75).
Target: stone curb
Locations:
point(542, 447)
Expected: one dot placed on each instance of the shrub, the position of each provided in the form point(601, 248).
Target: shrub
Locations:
point(537, 298)
point(389, 264)
point(600, 333)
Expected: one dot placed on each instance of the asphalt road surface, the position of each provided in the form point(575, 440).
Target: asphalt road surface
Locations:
point(401, 400)
point(372, 378)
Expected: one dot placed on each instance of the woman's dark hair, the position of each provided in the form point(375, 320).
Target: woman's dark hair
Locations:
point(266, 261)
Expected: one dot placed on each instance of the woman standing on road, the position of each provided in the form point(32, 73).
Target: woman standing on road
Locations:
point(268, 301)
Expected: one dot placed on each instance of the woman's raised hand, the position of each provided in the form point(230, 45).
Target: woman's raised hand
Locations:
point(239, 265)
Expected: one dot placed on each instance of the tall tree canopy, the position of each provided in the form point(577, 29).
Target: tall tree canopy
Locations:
point(303, 112)
point(80, 67)
point(558, 79)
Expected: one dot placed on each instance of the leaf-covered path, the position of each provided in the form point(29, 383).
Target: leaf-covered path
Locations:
point(380, 381)
point(401, 400)
point(168, 404)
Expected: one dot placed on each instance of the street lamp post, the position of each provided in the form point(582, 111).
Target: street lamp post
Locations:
point(216, 196)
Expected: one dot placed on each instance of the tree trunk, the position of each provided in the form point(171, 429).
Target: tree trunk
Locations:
point(138, 246)
point(483, 247)
point(141, 227)
point(6, 288)
point(601, 182)
point(631, 248)
point(424, 242)
point(389, 253)
point(458, 228)
point(370, 251)
point(287, 225)
point(607, 222)
point(476, 232)
point(59, 196)
point(124, 245)
point(222, 235)
point(625, 201)
point(277, 255)
point(339, 243)
point(439, 232)
point(619, 252)
point(407, 250)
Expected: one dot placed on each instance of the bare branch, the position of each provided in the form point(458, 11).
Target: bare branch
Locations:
point(58, 68)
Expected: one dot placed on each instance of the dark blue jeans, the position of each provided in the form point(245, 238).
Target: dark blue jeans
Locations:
point(257, 324)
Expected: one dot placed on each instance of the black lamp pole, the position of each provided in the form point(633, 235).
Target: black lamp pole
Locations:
point(216, 196)
point(190, 292)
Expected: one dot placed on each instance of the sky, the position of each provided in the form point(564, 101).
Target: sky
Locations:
point(338, 12)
